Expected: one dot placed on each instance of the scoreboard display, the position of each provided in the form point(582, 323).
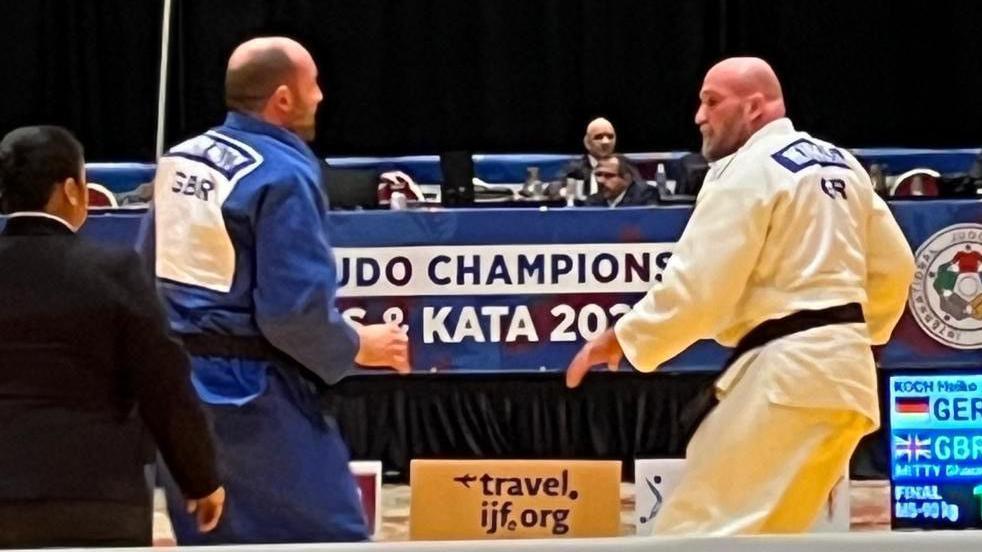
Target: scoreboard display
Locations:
point(935, 431)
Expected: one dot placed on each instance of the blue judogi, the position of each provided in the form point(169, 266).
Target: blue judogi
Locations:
point(245, 267)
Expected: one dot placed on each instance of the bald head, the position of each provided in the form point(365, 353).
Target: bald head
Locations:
point(748, 76)
point(275, 79)
point(600, 138)
point(738, 96)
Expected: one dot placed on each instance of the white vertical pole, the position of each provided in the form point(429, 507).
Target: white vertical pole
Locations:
point(162, 91)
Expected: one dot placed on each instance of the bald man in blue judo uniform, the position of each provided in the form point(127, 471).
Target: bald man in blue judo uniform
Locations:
point(244, 263)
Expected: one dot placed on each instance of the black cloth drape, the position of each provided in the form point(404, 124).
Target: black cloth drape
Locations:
point(425, 76)
point(620, 416)
point(89, 66)
point(614, 416)
point(871, 72)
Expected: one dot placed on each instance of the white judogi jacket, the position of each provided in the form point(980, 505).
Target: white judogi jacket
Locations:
point(784, 224)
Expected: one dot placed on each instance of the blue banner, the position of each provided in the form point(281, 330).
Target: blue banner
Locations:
point(485, 290)
point(516, 290)
point(942, 326)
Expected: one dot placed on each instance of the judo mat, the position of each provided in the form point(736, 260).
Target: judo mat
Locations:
point(946, 541)
point(869, 533)
point(870, 512)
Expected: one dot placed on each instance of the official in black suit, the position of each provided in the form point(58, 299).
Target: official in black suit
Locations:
point(89, 378)
point(599, 140)
point(620, 185)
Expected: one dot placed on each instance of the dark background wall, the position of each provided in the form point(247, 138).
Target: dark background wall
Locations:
point(89, 65)
point(421, 76)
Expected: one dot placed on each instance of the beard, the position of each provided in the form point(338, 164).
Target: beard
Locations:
point(612, 193)
point(304, 124)
point(306, 132)
point(709, 151)
point(714, 150)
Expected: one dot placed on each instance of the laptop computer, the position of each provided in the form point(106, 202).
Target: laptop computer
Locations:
point(350, 188)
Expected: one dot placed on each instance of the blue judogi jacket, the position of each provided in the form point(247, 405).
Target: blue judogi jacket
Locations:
point(242, 250)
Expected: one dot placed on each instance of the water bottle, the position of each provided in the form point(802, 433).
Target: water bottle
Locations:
point(533, 186)
point(917, 186)
point(571, 192)
point(879, 179)
point(397, 201)
point(661, 180)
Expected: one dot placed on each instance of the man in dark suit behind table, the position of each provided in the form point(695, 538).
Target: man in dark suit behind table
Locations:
point(620, 185)
point(86, 369)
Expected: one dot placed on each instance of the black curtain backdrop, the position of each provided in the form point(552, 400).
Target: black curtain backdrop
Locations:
point(619, 416)
point(423, 76)
point(614, 416)
point(91, 66)
point(871, 72)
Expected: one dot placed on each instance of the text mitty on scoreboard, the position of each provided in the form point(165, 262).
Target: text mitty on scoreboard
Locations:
point(936, 450)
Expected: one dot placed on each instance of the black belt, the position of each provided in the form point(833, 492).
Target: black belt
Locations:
point(259, 348)
point(231, 346)
point(793, 323)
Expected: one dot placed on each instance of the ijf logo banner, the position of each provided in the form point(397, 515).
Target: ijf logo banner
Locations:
point(946, 296)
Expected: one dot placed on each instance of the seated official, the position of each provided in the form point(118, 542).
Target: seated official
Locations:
point(620, 185)
point(86, 369)
point(599, 141)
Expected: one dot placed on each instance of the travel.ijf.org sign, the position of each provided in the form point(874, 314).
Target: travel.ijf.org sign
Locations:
point(479, 499)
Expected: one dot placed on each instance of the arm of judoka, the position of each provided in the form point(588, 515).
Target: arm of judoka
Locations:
point(296, 282)
point(705, 276)
point(383, 346)
point(889, 272)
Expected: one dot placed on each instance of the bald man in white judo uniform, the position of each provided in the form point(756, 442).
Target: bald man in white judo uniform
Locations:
point(793, 259)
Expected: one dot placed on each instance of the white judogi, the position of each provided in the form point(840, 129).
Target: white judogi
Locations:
point(787, 223)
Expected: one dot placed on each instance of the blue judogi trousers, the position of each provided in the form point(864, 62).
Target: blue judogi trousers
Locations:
point(285, 471)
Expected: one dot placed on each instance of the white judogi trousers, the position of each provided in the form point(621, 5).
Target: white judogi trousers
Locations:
point(759, 462)
point(787, 223)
